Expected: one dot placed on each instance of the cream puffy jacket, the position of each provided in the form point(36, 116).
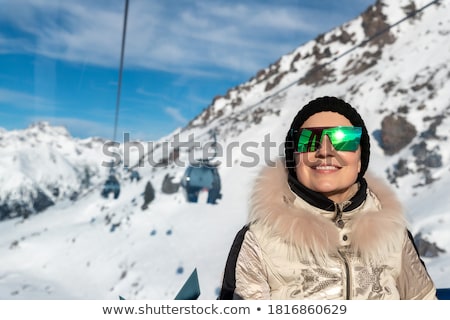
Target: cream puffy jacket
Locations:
point(294, 250)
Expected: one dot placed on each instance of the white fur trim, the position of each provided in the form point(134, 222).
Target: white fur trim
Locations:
point(376, 229)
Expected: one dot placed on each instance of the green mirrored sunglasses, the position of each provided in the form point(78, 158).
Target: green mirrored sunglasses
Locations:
point(342, 138)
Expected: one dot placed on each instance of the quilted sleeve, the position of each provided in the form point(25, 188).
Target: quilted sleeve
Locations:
point(251, 275)
point(414, 282)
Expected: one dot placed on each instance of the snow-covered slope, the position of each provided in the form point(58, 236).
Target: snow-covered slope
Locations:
point(96, 248)
point(41, 165)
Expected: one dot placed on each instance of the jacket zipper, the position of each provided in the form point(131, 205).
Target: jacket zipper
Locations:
point(347, 278)
point(340, 224)
point(338, 218)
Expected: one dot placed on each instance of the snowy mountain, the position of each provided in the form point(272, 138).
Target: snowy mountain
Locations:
point(42, 165)
point(392, 63)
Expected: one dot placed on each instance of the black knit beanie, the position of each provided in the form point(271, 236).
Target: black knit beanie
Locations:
point(327, 104)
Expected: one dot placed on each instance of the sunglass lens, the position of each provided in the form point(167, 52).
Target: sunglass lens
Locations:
point(342, 138)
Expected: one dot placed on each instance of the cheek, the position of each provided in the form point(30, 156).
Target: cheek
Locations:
point(353, 160)
point(300, 167)
point(300, 160)
point(303, 159)
point(358, 159)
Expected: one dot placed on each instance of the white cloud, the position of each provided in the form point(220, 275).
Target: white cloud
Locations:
point(22, 100)
point(189, 37)
point(175, 114)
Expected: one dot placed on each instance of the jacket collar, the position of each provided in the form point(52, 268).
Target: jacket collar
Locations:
point(377, 227)
point(318, 200)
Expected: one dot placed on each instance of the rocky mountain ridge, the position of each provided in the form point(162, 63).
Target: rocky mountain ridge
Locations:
point(379, 63)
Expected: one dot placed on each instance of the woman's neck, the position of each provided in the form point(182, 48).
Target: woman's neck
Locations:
point(341, 196)
point(356, 195)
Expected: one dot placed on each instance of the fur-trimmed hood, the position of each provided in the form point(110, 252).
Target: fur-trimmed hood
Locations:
point(377, 227)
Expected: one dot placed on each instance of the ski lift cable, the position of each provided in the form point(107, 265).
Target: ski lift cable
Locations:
point(321, 66)
point(111, 184)
point(119, 83)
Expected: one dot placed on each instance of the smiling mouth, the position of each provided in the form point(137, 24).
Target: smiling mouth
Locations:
point(326, 168)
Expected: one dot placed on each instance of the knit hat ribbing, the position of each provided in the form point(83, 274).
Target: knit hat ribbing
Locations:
point(328, 104)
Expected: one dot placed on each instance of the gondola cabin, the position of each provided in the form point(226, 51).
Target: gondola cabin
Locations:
point(202, 176)
point(111, 185)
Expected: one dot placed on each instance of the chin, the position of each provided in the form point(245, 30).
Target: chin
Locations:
point(328, 191)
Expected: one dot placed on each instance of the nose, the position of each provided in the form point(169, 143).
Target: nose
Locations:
point(326, 148)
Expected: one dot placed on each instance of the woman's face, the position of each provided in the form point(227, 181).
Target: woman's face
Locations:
point(330, 172)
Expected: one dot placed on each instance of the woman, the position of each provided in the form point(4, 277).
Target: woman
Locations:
point(319, 226)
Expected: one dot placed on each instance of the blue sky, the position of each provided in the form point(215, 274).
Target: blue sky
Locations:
point(59, 60)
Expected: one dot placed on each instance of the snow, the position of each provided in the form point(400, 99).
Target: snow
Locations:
point(96, 248)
